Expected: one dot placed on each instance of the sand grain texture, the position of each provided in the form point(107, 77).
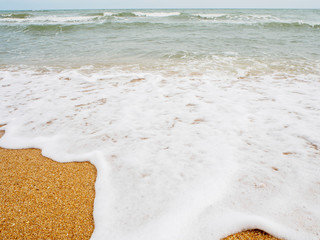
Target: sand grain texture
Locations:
point(254, 234)
point(44, 199)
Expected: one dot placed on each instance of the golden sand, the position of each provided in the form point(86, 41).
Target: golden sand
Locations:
point(255, 234)
point(44, 199)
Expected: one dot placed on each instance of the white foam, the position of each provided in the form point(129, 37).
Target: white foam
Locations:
point(53, 19)
point(108, 13)
point(156, 14)
point(197, 154)
point(247, 18)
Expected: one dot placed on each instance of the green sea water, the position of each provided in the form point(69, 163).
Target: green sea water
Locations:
point(103, 37)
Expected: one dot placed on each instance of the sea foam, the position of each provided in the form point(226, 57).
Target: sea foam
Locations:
point(185, 155)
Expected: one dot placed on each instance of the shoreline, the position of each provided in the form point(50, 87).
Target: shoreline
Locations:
point(42, 198)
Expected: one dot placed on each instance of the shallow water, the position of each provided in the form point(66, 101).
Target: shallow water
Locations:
point(200, 122)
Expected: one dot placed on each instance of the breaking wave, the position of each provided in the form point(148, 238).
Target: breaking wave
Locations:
point(265, 20)
point(16, 15)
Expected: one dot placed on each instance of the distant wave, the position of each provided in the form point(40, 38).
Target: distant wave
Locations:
point(48, 28)
point(135, 14)
point(101, 17)
point(121, 25)
point(235, 16)
point(124, 14)
point(49, 19)
point(16, 15)
point(156, 14)
point(291, 25)
point(58, 27)
point(209, 15)
point(95, 14)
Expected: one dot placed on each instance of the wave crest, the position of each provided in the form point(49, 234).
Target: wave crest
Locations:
point(16, 15)
point(124, 14)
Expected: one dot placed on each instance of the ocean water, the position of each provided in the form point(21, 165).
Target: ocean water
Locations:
point(201, 122)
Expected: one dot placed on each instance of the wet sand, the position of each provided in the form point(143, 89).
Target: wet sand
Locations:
point(44, 199)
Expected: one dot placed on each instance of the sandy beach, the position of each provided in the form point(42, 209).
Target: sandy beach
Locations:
point(44, 199)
